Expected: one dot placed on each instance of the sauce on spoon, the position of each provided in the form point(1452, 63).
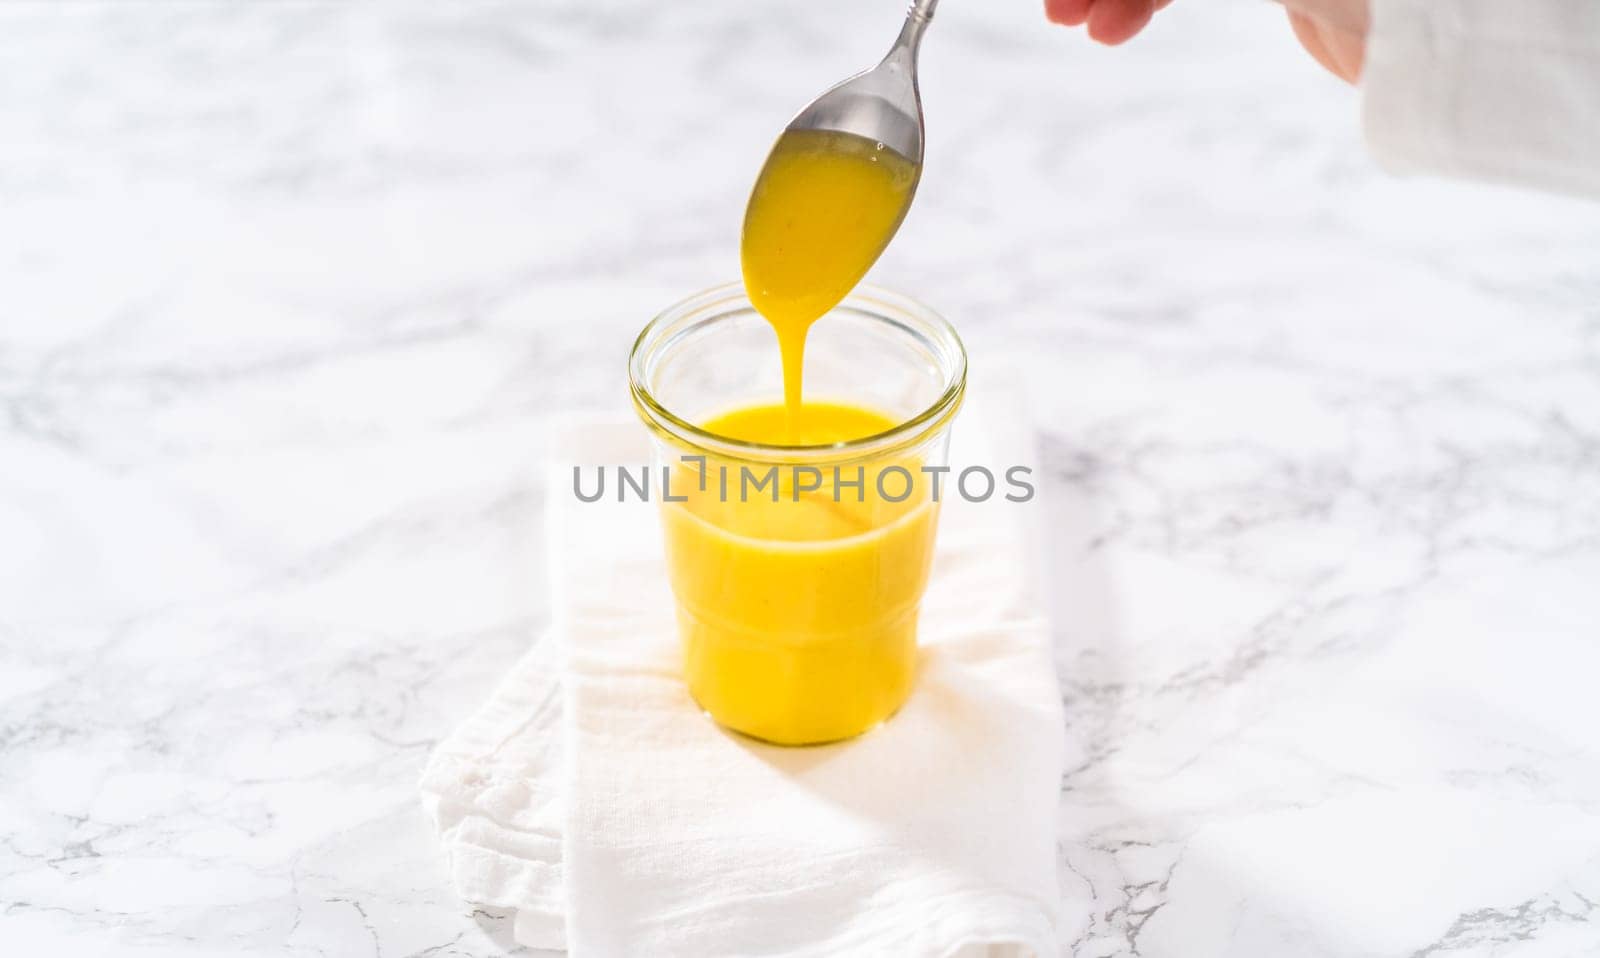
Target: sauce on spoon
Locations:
point(823, 209)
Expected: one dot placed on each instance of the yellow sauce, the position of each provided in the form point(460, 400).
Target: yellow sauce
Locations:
point(798, 616)
point(798, 605)
point(822, 211)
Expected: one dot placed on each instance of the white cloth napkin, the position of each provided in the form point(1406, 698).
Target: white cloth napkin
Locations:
point(1484, 88)
point(590, 794)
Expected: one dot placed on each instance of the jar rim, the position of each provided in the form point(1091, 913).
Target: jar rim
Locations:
point(871, 300)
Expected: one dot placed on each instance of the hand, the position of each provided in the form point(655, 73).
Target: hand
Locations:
point(1334, 32)
point(1110, 21)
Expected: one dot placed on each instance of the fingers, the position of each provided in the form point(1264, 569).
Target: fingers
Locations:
point(1349, 51)
point(1341, 52)
point(1117, 21)
point(1110, 21)
point(1351, 16)
point(1071, 13)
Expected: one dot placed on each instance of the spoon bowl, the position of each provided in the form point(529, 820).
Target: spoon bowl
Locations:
point(884, 103)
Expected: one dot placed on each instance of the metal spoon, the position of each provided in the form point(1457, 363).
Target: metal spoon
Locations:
point(808, 238)
point(883, 103)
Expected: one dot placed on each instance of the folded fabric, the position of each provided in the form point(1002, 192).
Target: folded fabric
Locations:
point(1482, 88)
point(597, 801)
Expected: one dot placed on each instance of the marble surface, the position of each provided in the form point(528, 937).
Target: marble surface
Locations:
point(288, 290)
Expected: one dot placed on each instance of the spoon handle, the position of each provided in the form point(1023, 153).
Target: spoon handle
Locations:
point(919, 13)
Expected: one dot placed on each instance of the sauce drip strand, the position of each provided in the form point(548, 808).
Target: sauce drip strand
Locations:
point(823, 209)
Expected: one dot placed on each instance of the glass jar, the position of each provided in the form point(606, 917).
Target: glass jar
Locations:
point(798, 570)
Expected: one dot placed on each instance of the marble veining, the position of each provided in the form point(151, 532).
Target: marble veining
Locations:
point(288, 291)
